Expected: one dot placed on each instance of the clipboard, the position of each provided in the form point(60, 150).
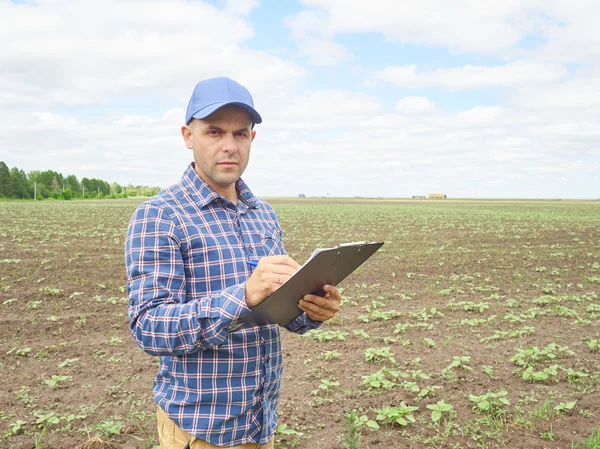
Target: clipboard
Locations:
point(325, 266)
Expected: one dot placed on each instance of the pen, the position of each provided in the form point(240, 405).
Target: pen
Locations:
point(252, 263)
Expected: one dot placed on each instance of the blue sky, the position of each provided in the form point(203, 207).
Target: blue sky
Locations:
point(382, 98)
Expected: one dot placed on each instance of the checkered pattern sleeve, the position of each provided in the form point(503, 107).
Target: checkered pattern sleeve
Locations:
point(302, 324)
point(161, 320)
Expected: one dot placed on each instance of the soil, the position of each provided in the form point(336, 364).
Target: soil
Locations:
point(63, 312)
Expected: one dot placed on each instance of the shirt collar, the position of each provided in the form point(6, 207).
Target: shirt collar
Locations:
point(206, 195)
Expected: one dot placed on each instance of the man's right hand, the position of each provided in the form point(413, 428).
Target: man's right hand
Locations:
point(270, 273)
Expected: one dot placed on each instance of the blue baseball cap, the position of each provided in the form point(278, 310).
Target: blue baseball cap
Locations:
point(214, 93)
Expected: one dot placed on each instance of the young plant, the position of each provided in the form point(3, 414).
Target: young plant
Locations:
point(378, 355)
point(43, 421)
point(565, 407)
point(360, 333)
point(326, 384)
point(109, 427)
point(384, 379)
point(458, 362)
point(593, 345)
point(401, 415)
point(55, 381)
point(331, 355)
point(492, 404)
point(321, 335)
point(539, 376)
point(354, 425)
point(14, 428)
point(438, 409)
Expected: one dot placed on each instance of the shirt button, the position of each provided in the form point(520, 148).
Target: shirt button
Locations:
point(251, 248)
point(267, 359)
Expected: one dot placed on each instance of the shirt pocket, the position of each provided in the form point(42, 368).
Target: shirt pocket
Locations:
point(270, 242)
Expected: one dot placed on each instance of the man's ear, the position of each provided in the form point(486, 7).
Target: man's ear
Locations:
point(188, 136)
point(253, 134)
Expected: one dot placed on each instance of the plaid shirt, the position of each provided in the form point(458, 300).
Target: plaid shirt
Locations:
point(186, 254)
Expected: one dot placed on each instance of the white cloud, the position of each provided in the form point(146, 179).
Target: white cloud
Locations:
point(79, 53)
point(241, 7)
point(580, 92)
point(309, 30)
point(468, 77)
point(483, 27)
point(415, 106)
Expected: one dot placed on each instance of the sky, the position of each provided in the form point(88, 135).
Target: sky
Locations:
point(378, 98)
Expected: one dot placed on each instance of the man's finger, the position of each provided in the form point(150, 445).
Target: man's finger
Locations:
point(328, 310)
point(281, 260)
point(281, 269)
point(322, 302)
point(313, 312)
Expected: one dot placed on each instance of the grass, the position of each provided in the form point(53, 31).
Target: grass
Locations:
point(592, 442)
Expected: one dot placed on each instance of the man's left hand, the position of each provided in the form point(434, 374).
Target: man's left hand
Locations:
point(321, 308)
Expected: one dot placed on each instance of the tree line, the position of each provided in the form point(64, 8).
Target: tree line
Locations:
point(16, 184)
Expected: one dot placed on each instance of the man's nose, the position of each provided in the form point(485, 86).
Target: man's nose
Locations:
point(229, 143)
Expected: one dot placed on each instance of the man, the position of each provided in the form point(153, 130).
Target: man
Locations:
point(189, 281)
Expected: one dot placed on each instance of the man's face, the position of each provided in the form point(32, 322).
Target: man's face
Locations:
point(221, 145)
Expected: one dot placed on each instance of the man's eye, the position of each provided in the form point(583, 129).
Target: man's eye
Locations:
point(214, 132)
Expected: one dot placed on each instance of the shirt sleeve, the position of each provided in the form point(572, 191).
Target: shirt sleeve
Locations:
point(162, 320)
point(302, 324)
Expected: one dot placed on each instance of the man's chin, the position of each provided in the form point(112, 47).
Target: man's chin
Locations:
point(226, 181)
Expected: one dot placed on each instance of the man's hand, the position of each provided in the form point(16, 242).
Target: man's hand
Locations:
point(268, 276)
point(321, 308)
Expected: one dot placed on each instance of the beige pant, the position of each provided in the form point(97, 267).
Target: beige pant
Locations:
point(172, 437)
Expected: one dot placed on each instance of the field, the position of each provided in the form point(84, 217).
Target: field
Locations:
point(476, 326)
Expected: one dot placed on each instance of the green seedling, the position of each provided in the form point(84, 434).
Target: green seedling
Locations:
point(384, 379)
point(55, 381)
point(539, 376)
point(284, 429)
point(326, 385)
point(354, 425)
point(493, 404)
point(564, 407)
point(360, 333)
point(401, 415)
point(378, 355)
point(322, 335)
point(439, 409)
point(429, 342)
point(593, 345)
point(109, 427)
point(331, 355)
point(458, 362)
point(15, 428)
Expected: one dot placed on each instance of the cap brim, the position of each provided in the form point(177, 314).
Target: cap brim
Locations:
point(208, 110)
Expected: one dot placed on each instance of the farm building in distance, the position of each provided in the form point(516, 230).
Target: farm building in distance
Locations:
point(436, 195)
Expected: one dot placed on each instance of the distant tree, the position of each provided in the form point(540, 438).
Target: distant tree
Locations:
point(67, 194)
point(19, 184)
point(86, 187)
point(14, 183)
point(117, 189)
point(72, 183)
point(5, 185)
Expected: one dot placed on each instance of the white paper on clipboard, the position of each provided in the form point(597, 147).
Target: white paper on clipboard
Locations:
point(324, 266)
